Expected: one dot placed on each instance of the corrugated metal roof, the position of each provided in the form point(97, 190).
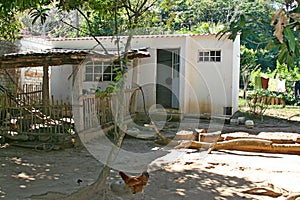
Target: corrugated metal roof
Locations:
point(59, 51)
point(54, 57)
point(45, 52)
point(135, 36)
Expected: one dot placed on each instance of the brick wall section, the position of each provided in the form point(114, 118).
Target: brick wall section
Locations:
point(33, 76)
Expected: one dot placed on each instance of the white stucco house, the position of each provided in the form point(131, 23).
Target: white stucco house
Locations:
point(194, 73)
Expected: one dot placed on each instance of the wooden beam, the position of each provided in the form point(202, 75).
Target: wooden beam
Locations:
point(63, 57)
point(38, 62)
point(45, 94)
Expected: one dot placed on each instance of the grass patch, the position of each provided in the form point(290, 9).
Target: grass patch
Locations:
point(279, 111)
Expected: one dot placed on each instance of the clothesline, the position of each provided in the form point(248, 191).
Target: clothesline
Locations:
point(270, 84)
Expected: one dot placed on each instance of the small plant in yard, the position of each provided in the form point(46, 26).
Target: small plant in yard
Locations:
point(259, 101)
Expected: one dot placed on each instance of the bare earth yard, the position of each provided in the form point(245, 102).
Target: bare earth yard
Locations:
point(174, 174)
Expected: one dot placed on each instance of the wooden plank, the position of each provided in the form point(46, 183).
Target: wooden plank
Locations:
point(257, 145)
point(245, 144)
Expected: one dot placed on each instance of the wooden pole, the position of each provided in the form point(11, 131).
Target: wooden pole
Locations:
point(46, 90)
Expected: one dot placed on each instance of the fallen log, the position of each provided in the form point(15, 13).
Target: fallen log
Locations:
point(293, 197)
point(236, 135)
point(256, 145)
point(263, 191)
point(242, 145)
point(194, 145)
point(279, 138)
point(223, 145)
point(251, 145)
point(285, 148)
point(273, 140)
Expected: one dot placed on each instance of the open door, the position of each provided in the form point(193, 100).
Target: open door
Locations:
point(167, 81)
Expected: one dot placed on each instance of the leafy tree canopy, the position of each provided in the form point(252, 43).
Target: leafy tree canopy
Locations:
point(284, 39)
point(262, 24)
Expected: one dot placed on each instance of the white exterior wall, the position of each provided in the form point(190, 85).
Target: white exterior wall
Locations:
point(61, 83)
point(205, 87)
point(147, 71)
point(209, 85)
point(236, 74)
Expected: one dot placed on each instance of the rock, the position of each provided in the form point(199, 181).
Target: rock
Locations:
point(249, 123)
point(234, 121)
point(118, 187)
point(241, 120)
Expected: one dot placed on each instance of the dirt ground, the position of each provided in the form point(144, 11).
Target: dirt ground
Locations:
point(174, 174)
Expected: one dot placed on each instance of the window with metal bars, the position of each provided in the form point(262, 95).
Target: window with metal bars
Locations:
point(209, 56)
point(100, 71)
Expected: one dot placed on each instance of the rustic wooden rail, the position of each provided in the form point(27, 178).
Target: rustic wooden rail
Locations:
point(24, 119)
point(99, 110)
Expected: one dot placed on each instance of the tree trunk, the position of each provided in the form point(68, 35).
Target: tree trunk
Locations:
point(246, 83)
point(97, 189)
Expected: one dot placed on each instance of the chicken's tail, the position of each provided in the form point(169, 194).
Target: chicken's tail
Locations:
point(124, 176)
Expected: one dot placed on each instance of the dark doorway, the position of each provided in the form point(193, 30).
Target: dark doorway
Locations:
point(167, 81)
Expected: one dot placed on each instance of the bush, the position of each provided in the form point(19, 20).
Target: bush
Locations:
point(259, 101)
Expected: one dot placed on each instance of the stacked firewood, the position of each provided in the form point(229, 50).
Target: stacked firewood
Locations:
point(268, 142)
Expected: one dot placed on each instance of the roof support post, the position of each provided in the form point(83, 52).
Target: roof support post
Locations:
point(45, 97)
point(77, 99)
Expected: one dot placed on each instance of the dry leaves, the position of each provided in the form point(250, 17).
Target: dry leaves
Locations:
point(280, 24)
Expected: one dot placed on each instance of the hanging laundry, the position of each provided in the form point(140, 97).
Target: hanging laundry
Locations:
point(257, 83)
point(276, 85)
point(273, 85)
point(281, 86)
point(264, 83)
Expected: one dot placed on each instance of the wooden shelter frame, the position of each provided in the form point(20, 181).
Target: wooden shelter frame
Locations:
point(59, 57)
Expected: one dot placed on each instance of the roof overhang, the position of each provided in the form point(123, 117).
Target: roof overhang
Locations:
point(56, 57)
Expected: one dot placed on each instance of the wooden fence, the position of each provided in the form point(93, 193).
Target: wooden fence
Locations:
point(31, 94)
point(103, 110)
point(29, 121)
point(24, 118)
point(34, 118)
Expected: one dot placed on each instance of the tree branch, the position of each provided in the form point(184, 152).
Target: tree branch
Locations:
point(90, 29)
point(78, 29)
point(144, 10)
point(139, 10)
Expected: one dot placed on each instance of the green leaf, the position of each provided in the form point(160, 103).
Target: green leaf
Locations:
point(282, 56)
point(289, 35)
point(116, 69)
point(37, 13)
point(290, 61)
point(112, 84)
point(269, 45)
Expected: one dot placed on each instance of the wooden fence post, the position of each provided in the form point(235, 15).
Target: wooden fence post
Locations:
point(45, 97)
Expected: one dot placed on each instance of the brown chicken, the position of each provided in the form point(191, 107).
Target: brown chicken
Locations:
point(136, 183)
